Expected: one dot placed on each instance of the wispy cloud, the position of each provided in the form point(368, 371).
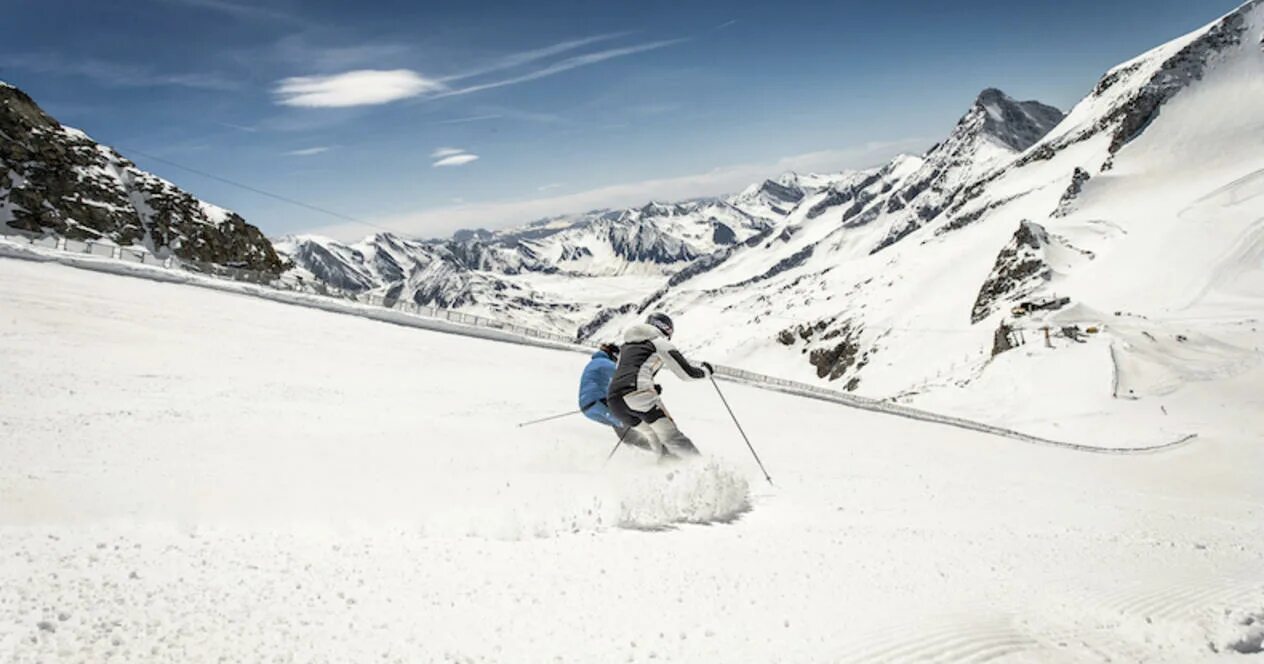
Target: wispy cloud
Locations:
point(567, 64)
point(527, 57)
point(472, 118)
point(455, 160)
point(440, 153)
point(372, 86)
point(550, 187)
point(724, 180)
point(307, 152)
point(305, 50)
point(725, 24)
point(243, 128)
point(365, 87)
point(243, 11)
point(115, 74)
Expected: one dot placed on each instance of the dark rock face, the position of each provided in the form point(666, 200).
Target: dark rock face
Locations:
point(1078, 178)
point(794, 260)
point(330, 269)
point(780, 192)
point(1187, 66)
point(57, 180)
point(832, 346)
point(721, 234)
point(644, 242)
point(1018, 124)
point(604, 316)
point(1020, 268)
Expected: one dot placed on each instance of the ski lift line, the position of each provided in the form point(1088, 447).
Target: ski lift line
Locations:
point(256, 190)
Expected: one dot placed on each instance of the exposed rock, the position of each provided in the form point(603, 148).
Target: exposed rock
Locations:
point(832, 346)
point(56, 180)
point(604, 316)
point(723, 235)
point(1078, 178)
point(1020, 268)
point(794, 260)
point(1177, 72)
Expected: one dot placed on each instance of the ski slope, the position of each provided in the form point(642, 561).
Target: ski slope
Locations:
point(190, 475)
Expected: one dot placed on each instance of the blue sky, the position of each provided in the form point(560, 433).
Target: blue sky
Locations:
point(424, 117)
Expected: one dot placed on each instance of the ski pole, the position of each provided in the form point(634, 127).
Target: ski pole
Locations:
point(740, 430)
point(551, 417)
point(616, 446)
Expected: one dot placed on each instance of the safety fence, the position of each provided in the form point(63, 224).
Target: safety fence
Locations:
point(504, 331)
point(141, 256)
point(900, 410)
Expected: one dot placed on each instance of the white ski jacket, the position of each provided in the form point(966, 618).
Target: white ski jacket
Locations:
point(646, 351)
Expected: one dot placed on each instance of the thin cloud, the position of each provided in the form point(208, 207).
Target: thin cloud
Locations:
point(307, 152)
point(115, 74)
point(527, 57)
point(371, 86)
point(565, 65)
point(440, 153)
point(550, 186)
point(725, 24)
point(472, 118)
point(455, 160)
point(243, 128)
point(365, 87)
point(243, 11)
point(719, 181)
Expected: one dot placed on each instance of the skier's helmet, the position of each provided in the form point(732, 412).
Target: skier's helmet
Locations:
point(663, 322)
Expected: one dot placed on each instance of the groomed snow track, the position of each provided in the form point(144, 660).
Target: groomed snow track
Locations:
point(11, 249)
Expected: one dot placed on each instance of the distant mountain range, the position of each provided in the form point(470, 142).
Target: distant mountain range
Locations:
point(894, 281)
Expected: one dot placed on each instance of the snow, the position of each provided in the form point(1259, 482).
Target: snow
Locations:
point(301, 485)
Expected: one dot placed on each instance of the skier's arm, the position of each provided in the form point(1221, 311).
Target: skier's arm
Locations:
point(677, 362)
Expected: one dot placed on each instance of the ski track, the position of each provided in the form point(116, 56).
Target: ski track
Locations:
point(1096, 628)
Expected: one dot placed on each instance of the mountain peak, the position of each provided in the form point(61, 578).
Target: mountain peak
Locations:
point(1016, 124)
point(992, 96)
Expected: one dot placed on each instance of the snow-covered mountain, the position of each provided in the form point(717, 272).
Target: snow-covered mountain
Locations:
point(663, 244)
point(56, 180)
point(535, 274)
point(1138, 215)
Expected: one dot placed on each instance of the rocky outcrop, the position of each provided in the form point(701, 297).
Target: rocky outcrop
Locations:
point(1078, 178)
point(1020, 268)
point(832, 346)
point(56, 180)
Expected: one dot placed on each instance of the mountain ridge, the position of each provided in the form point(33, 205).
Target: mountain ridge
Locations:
point(57, 180)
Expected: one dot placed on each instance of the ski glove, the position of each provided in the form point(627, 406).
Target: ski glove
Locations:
point(658, 388)
point(708, 368)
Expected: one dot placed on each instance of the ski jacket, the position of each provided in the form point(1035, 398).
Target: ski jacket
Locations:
point(645, 351)
point(594, 383)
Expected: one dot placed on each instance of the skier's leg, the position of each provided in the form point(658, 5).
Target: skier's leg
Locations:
point(630, 436)
point(647, 436)
point(669, 435)
point(619, 408)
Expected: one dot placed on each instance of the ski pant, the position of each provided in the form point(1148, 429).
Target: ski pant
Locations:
point(599, 413)
point(655, 425)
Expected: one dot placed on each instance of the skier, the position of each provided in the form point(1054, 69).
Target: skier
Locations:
point(594, 383)
point(634, 398)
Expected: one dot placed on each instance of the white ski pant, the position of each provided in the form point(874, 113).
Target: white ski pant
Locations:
point(652, 422)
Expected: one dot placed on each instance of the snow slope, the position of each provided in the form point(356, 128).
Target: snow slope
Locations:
point(1138, 216)
point(307, 486)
